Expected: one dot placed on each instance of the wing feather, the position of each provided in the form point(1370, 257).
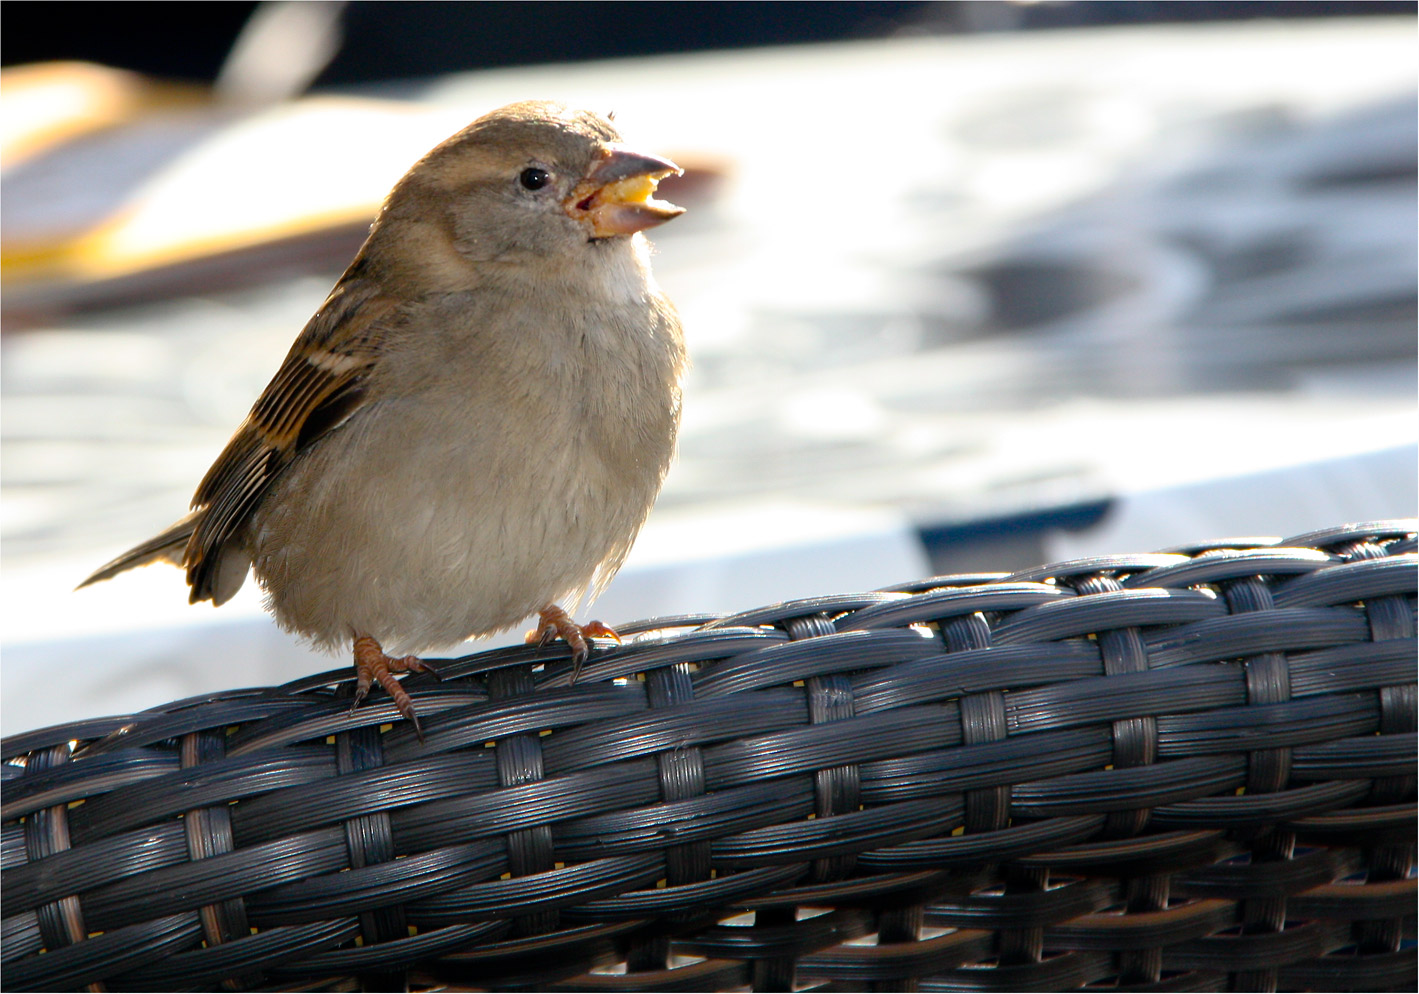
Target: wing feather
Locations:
point(318, 387)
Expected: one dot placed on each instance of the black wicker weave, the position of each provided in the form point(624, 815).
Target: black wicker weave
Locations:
point(1191, 770)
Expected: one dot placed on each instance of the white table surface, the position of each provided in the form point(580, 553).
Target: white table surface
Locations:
point(942, 280)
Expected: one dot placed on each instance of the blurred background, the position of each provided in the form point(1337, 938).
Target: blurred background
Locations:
point(968, 286)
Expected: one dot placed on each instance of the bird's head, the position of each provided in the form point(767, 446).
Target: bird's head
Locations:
point(536, 179)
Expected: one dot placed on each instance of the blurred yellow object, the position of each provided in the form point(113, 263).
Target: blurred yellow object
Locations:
point(48, 103)
point(238, 181)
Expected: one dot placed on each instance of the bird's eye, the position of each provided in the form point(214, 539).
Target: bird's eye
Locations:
point(533, 178)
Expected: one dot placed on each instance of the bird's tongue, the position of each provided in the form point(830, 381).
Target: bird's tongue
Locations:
point(629, 191)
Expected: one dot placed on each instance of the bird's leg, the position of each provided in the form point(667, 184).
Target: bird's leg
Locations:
point(372, 666)
point(553, 623)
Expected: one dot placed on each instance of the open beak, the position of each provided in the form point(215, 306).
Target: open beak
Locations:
point(615, 197)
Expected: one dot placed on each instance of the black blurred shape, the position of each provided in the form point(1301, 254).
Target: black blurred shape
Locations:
point(176, 40)
point(389, 40)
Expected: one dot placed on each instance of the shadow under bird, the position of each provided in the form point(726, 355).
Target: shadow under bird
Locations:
point(474, 425)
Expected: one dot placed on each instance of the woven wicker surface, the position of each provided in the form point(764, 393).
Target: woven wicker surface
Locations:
point(1191, 770)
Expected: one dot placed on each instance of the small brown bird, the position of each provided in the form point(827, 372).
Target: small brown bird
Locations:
point(474, 425)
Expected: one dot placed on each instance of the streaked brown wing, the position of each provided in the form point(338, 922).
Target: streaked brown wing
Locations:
point(319, 385)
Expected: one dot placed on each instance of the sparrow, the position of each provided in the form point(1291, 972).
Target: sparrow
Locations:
point(473, 427)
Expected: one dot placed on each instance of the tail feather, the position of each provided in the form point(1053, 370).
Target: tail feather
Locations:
point(168, 546)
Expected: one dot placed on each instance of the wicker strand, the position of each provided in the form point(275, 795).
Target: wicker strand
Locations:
point(1188, 770)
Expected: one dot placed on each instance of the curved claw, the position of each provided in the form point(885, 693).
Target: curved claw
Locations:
point(554, 623)
point(372, 666)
